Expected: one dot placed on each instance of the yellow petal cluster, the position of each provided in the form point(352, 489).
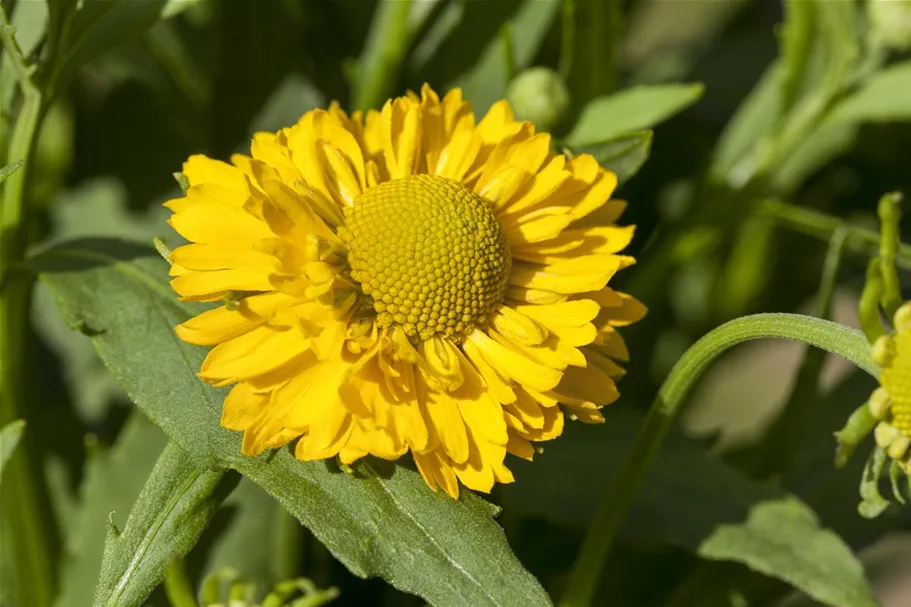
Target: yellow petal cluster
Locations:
point(891, 402)
point(406, 280)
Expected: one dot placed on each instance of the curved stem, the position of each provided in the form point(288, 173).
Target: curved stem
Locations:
point(824, 334)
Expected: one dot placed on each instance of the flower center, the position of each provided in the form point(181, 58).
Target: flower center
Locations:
point(896, 379)
point(429, 253)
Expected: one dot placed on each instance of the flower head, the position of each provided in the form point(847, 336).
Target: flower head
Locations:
point(891, 402)
point(406, 280)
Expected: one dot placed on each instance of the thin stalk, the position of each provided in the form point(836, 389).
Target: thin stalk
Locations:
point(26, 505)
point(387, 43)
point(889, 240)
point(860, 240)
point(824, 334)
point(177, 586)
point(781, 443)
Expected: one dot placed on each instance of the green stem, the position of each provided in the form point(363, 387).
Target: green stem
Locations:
point(823, 334)
point(889, 216)
point(820, 225)
point(26, 505)
point(387, 44)
point(177, 586)
point(868, 306)
point(781, 443)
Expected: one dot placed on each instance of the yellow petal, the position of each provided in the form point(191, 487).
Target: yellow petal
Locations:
point(220, 324)
point(255, 353)
point(517, 366)
point(201, 169)
point(572, 276)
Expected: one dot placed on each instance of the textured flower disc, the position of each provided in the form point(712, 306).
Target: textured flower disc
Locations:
point(409, 280)
point(894, 355)
point(430, 254)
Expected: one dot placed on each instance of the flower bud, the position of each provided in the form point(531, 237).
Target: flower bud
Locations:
point(539, 95)
point(890, 22)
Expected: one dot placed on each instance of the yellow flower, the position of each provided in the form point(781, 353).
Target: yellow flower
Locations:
point(406, 280)
point(891, 402)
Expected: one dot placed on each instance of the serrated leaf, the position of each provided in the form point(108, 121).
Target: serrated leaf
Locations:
point(783, 538)
point(638, 107)
point(9, 438)
point(175, 506)
point(690, 500)
point(387, 523)
point(623, 155)
point(884, 98)
point(94, 208)
point(113, 480)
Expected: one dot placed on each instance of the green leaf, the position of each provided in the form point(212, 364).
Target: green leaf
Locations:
point(829, 140)
point(113, 480)
point(99, 25)
point(818, 56)
point(176, 504)
point(884, 98)
point(638, 107)
point(689, 499)
point(9, 438)
point(94, 208)
point(753, 122)
point(10, 169)
point(486, 82)
point(783, 538)
point(623, 155)
point(386, 523)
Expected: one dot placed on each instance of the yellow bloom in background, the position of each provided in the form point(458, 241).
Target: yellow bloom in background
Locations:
point(406, 280)
point(891, 402)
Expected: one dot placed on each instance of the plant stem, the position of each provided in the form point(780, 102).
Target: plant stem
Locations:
point(26, 505)
point(387, 44)
point(776, 453)
point(177, 586)
point(820, 225)
point(824, 334)
point(889, 240)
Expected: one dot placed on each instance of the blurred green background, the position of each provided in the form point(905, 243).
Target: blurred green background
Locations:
point(709, 249)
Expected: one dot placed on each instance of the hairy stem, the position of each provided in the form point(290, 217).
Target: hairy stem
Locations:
point(823, 334)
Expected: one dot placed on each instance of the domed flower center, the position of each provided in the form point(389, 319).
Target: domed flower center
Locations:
point(896, 379)
point(429, 253)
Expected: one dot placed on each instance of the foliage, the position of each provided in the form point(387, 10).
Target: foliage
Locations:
point(751, 140)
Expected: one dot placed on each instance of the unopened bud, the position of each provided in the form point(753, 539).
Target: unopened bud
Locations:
point(539, 95)
point(890, 22)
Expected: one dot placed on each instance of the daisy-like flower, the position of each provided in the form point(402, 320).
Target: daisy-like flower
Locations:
point(891, 401)
point(406, 280)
